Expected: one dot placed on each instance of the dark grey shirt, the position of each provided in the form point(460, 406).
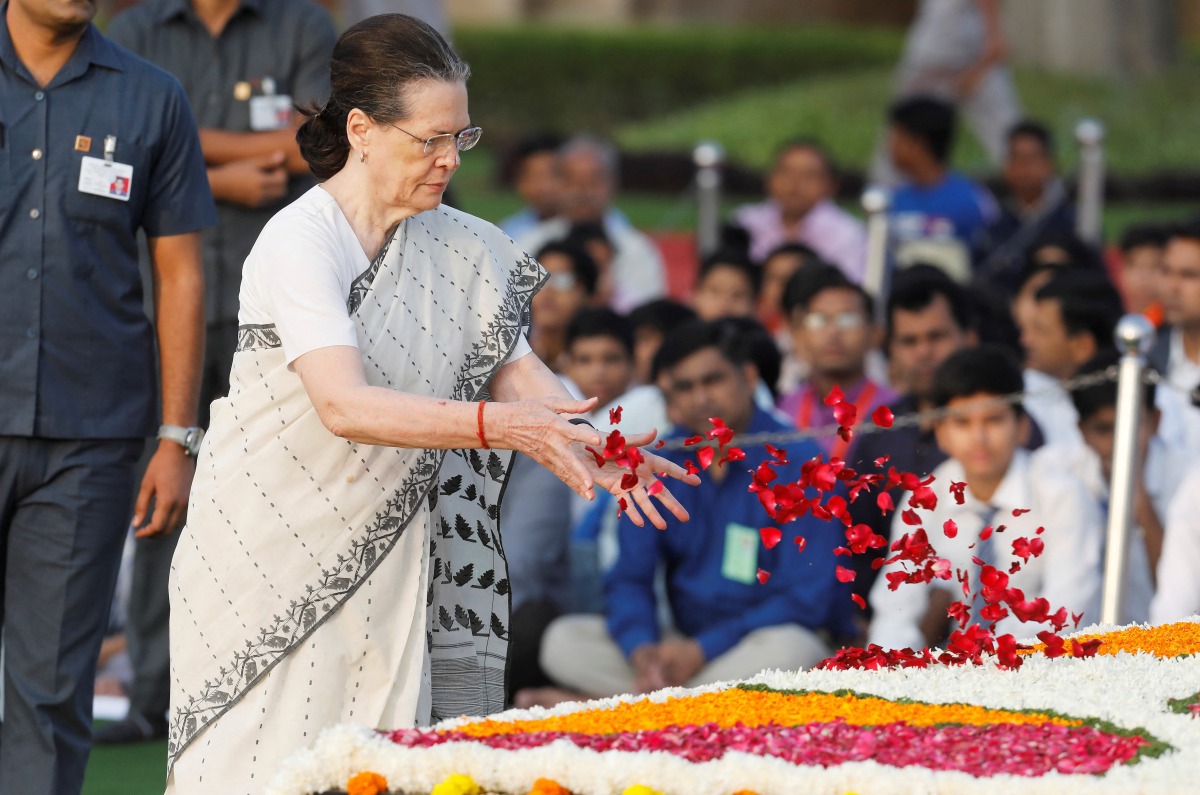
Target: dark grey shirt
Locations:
point(76, 347)
point(284, 45)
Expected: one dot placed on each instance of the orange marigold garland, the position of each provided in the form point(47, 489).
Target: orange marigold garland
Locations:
point(545, 786)
point(366, 783)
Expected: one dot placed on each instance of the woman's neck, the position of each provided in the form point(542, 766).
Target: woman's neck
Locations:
point(370, 219)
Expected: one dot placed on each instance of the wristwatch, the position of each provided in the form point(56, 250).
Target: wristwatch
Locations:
point(187, 438)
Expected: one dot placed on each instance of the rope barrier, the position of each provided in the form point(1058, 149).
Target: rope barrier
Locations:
point(917, 418)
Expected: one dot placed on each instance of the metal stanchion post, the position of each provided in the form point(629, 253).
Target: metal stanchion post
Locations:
point(1090, 199)
point(1134, 336)
point(708, 157)
point(876, 201)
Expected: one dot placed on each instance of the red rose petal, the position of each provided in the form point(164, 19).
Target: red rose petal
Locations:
point(883, 417)
point(858, 600)
point(655, 488)
point(629, 481)
point(835, 396)
point(763, 576)
point(844, 574)
point(950, 528)
point(1019, 511)
point(801, 542)
point(691, 441)
point(691, 468)
point(660, 444)
point(770, 536)
point(614, 416)
point(705, 456)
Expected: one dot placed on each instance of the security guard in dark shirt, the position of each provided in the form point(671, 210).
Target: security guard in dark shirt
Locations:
point(95, 144)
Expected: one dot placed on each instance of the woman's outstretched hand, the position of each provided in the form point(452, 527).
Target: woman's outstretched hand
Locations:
point(612, 477)
point(538, 429)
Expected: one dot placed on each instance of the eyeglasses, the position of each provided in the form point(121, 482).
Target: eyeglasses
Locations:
point(440, 144)
point(815, 321)
point(561, 281)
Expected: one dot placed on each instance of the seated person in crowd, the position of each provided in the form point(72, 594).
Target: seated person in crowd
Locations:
point(1037, 205)
point(1177, 595)
point(591, 237)
point(1176, 352)
point(1142, 248)
point(799, 208)
point(535, 177)
point(571, 286)
point(599, 363)
point(1158, 473)
point(1072, 319)
point(726, 286)
point(727, 624)
point(777, 270)
point(833, 330)
point(937, 211)
point(982, 437)
point(588, 167)
point(1048, 257)
point(650, 323)
point(929, 319)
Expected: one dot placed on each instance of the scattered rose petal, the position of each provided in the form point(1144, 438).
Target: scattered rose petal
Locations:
point(763, 576)
point(858, 600)
point(655, 488)
point(883, 417)
point(844, 574)
point(950, 528)
point(705, 456)
point(614, 416)
point(661, 443)
point(770, 536)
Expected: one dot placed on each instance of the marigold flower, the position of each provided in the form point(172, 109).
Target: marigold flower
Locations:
point(545, 786)
point(366, 783)
point(457, 784)
point(640, 789)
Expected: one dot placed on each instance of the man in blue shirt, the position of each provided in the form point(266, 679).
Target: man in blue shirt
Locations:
point(938, 214)
point(730, 619)
point(95, 144)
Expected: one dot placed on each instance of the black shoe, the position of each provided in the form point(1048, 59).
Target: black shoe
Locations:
point(134, 728)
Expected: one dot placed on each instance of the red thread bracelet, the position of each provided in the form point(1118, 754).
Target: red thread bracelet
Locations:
point(482, 438)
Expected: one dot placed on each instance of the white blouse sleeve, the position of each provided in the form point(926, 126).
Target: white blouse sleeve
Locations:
point(301, 280)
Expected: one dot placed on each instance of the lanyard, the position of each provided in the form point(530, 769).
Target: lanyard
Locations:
point(840, 445)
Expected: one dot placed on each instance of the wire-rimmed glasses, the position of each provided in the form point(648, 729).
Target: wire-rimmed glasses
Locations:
point(440, 144)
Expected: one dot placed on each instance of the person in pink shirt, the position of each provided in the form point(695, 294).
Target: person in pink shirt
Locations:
point(800, 209)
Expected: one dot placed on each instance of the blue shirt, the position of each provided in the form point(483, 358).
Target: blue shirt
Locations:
point(707, 606)
point(955, 207)
point(76, 347)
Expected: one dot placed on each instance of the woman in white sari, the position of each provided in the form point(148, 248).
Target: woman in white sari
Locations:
point(342, 560)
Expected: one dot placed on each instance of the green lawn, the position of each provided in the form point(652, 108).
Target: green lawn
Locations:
point(139, 769)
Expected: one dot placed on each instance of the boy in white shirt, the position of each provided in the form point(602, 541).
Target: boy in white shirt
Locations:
point(983, 438)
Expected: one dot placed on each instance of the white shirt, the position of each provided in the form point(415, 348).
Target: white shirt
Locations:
point(1180, 422)
point(638, 272)
point(1178, 594)
point(299, 274)
point(1051, 408)
point(1067, 573)
point(1161, 477)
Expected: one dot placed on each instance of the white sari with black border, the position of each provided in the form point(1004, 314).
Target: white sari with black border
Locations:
point(320, 581)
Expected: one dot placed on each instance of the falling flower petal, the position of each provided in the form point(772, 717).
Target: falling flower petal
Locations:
point(883, 417)
point(1019, 511)
point(844, 574)
point(950, 528)
point(692, 441)
point(959, 491)
point(705, 457)
point(770, 536)
point(858, 600)
point(614, 416)
point(691, 468)
point(655, 488)
point(763, 576)
point(884, 501)
point(835, 396)
point(801, 542)
point(661, 443)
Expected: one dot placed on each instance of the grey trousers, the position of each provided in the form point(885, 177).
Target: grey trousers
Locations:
point(64, 510)
point(579, 654)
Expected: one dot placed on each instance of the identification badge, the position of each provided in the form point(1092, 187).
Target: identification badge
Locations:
point(740, 563)
point(105, 178)
point(271, 112)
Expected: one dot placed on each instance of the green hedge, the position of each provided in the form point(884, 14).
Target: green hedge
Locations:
point(543, 78)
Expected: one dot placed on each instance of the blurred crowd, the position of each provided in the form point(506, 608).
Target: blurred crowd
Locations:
point(988, 296)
